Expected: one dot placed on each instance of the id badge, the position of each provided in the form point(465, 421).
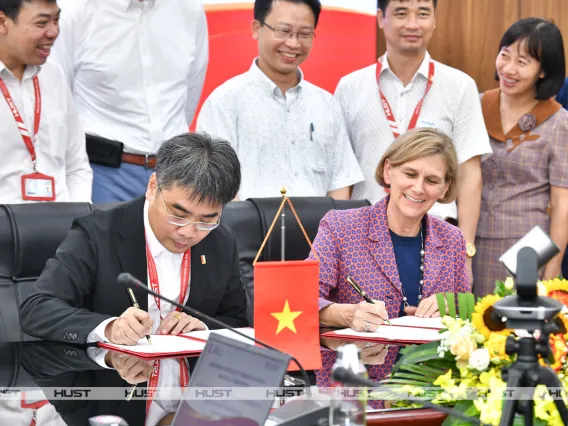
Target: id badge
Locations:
point(38, 187)
point(34, 399)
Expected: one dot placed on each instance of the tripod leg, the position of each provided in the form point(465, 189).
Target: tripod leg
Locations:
point(514, 380)
point(549, 378)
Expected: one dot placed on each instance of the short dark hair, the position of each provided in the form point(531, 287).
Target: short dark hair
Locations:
point(383, 4)
point(208, 168)
point(11, 8)
point(544, 43)
point(263, 7)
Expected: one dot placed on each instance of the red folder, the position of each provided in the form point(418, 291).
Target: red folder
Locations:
point(170, 346)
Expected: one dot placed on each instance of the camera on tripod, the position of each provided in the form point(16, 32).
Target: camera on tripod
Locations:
point(528, 311)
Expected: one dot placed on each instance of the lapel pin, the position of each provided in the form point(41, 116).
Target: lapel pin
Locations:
point(203, 260)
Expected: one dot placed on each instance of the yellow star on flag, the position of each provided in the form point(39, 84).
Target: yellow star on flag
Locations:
point(286, 318)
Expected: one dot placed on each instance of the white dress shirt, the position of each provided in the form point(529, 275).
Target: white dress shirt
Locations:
point(273, 137)
point(60, 142)
point(452, 106)
point(168, 267)
point(136, 68)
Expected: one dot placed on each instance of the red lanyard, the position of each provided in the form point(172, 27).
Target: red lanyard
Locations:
point(153, 382)
point(388, 110)
point(20, 122)
point(35, 405)
point(184, 281)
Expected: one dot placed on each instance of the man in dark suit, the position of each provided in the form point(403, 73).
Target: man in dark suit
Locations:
point(171, 236)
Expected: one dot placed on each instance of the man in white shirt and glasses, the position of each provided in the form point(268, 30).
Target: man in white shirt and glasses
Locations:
point(43, 142)
point(407, 89)
point(287, 132)
point(136, 69)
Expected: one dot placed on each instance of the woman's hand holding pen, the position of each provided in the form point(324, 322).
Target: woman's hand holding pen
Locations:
point(367, 316)
point(130, 327)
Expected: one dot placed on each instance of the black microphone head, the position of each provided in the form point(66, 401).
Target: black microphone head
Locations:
point(126, 280)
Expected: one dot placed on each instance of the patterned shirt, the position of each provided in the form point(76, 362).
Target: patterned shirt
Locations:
point(297, 141)
point(357, 243)
point(451, 106)
point(524, 165)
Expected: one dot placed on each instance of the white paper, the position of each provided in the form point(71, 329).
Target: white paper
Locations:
point(169, 344)
point(412, 321)
point(394, 334)
point(204, 334)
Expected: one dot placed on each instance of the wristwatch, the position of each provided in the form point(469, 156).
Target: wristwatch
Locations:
point(470, 250)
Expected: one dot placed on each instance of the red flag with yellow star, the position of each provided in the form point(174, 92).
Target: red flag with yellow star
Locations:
point(286, 312)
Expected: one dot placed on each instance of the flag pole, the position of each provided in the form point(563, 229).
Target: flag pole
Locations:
point(283, 228)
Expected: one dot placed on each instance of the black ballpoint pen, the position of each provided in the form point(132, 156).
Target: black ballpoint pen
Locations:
point(136, 305)
point(359, 290)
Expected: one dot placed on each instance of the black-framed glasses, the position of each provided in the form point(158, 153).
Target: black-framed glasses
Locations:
point(304, 36)
point(180, 221)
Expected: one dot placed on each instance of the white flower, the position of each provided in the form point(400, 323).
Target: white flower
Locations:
point(479, 359)
point(509, 283)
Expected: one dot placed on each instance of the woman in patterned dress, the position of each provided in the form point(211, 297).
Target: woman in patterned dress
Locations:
point(398, 254)
point(528, 171)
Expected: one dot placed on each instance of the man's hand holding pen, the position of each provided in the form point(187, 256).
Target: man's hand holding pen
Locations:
point(132, 369)
point(130, 327)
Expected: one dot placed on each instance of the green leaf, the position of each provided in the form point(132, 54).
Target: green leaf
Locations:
point(441, 304)
point(465, 407)
point(450, 298)
point(403, 382)
point(423, 369)
point(470, 305)
point(425, 352)
point(412, 376)
point(462, 306)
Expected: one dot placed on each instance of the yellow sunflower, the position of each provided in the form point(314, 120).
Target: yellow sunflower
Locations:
point(482, 321)
point(558, 343)
point(557, 289)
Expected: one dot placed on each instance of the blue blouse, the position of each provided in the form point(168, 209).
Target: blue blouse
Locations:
point(407, 255)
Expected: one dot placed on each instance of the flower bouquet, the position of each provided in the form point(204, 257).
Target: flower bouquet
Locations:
point(463, 369)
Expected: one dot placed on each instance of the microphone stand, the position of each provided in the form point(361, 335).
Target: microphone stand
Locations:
point(283, 228)
point(129, 281)
point(343, 375)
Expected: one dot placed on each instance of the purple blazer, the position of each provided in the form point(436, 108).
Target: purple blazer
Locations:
point(357, 243)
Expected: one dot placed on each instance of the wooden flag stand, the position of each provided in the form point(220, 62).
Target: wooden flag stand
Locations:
point(286, 313)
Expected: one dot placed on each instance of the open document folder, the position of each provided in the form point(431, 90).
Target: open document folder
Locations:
point(407, 329)
point(182, 345)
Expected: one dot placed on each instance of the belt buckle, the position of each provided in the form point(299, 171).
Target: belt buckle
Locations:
point(146, 161)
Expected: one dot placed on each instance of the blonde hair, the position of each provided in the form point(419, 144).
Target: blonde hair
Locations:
point(418, 143)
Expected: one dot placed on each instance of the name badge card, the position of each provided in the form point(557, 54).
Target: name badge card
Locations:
point(38, 187)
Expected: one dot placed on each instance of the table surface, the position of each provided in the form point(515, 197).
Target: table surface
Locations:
point(45, 364)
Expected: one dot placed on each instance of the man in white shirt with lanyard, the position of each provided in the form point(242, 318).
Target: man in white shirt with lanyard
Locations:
point(171, 239)
point(44, 156)
point(286, 131)
point(407, 89)
point(136, 69)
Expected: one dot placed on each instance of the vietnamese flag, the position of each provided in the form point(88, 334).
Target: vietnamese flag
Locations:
point(286, 313)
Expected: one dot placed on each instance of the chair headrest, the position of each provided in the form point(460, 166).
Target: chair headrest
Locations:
point(310, 210)
point(36, 232)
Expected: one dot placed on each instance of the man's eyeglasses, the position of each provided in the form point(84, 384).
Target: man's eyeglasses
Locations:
point(180, 221)
point(304, 36)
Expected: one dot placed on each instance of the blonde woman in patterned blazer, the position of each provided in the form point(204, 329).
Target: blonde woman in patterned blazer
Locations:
point(398, 254)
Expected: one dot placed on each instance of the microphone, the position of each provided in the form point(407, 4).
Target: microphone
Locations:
point(343, 375)
point(127, 280)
